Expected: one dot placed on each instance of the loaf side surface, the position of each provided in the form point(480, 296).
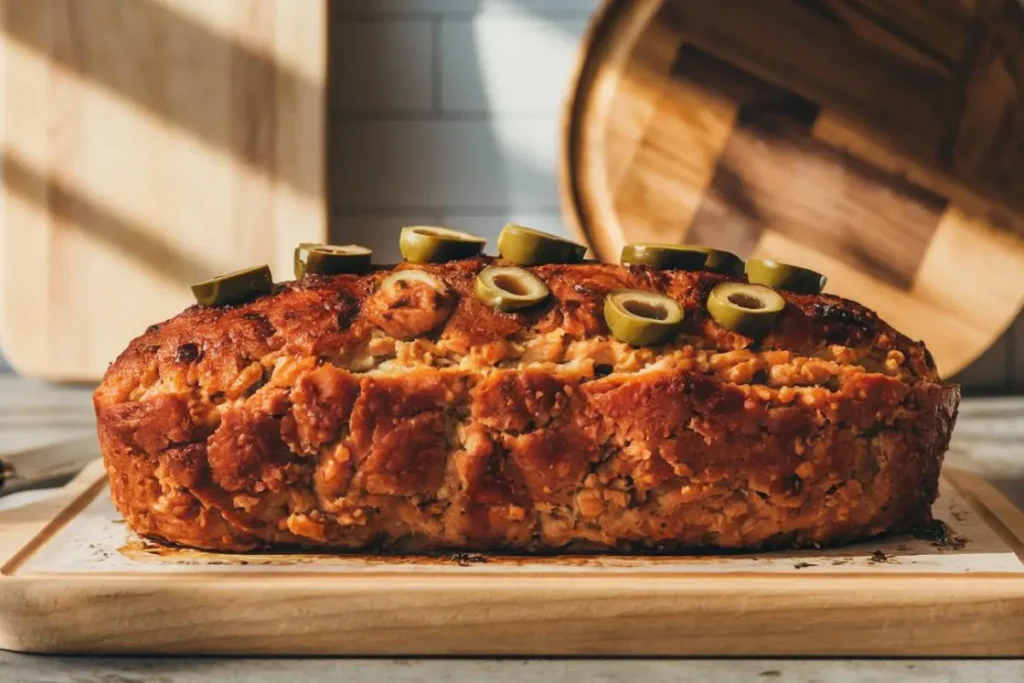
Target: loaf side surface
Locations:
point(335, 413)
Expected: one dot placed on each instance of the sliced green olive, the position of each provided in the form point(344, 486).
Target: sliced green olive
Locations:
point(785, 276)
point(428, 244)
point(528, 247)
point(411, 276)
point(750, 310)
point(724, 262)
point(234, 288)
point(641, 318)
point(331, 259)
point(509, 288)
point(664, 256)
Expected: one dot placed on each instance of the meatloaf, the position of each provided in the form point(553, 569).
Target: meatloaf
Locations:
point(335, 414)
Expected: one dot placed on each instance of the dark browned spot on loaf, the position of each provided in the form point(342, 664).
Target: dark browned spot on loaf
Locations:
point(259, 383)
point(187, 353)
point(792, 484)
point(346, 307)
point(263, 325)
point(703, 289)
point(842, 321)
point(716, 398)
point(843, 313)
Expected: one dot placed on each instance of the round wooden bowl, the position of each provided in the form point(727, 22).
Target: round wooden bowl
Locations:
point(879, 143)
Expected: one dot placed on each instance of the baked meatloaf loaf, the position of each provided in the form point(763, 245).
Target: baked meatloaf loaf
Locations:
point(336, 413)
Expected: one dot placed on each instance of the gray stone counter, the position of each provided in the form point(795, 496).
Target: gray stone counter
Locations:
point(27, 668)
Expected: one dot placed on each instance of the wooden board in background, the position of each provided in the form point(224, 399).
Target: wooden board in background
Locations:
point(72, 580)
point(148, 145)
point(879, 143)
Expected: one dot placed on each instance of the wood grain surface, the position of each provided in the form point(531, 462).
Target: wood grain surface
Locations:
point(880, 143)
point(148, 145)
point(514, 612)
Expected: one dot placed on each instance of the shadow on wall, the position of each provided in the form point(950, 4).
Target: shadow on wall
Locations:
point(70, 208)
point(82, 42)
point(144, 59)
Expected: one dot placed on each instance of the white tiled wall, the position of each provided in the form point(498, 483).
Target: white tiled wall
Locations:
point(363, 49)
point(447, 111)
point(526, 58)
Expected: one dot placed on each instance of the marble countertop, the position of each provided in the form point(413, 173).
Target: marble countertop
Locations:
point(989, 440)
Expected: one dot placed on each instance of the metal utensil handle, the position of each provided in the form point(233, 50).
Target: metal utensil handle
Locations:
point(46, 466)
point(7, 473)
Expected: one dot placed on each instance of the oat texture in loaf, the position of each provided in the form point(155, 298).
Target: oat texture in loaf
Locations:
point(335, 413)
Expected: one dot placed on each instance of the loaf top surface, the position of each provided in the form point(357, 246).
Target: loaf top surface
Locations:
point(351, 322)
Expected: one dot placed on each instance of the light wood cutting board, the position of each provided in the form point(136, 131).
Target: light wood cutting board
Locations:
point(879, 143)
point(146, 146)
point(73, 579)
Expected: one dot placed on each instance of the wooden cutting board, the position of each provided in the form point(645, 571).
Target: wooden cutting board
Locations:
point(880, 143)
point(73, 579)
point(146, 146)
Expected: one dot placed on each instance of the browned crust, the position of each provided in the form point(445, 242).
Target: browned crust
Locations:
point(329, 415)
